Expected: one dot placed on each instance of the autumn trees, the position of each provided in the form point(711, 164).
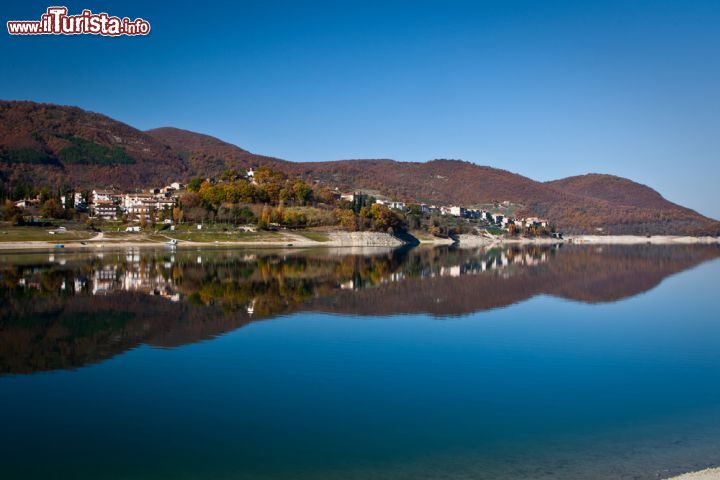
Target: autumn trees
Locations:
point(375, 217)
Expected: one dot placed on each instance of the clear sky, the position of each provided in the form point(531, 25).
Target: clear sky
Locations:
point(543, 88)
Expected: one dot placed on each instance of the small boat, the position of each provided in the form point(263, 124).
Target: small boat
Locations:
point(59, 245)
point(83, 243)
point(172, 242)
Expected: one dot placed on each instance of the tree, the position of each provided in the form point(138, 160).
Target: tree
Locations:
point(386, 220)
point(230, 175)
point(294, 218)
point(51, 209)
point(190, 200)
point(265, 217)
point(303, 192)
point(44, 195)
point(243, 215)
point(10, 211)
point(211, 195)
point(177, 214)
point(346, 219)
point(194, 184)
point(325, 195)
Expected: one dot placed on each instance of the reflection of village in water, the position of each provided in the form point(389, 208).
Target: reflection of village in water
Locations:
point(68, 309)
point(153, 274)
point(135, 275)
point(480, 261)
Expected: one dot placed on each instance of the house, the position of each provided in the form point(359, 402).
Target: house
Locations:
point(250, 176)
point(80, 202)
point(390, 204)
point(536, 222)
point(27, 203)
point(135, 199)
point(141, 204)
point(104, 196)
point(141, 210)
point(355, 197)
point(105, 210)
point(170, 189)
point(457, 211)
point(162, 203)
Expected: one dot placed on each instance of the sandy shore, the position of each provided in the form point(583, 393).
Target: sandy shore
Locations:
point(708, 474)
point(639, 239)
point(481, 240)
point(436, 241)
point(287, 240)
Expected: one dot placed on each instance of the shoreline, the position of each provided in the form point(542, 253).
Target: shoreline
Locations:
point(342, 239)
point(707, 474)
point(337, 239)
point(639, 239)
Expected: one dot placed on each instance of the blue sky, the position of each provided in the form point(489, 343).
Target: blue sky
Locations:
point(545, 89)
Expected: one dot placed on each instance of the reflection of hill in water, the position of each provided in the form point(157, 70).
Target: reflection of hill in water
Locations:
point(75, 310)
point(586, 274)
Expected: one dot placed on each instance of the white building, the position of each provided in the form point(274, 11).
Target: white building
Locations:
point(105, 210)
point(104, 196)
point(457, 211)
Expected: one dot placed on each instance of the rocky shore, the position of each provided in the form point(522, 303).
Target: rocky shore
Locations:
point(640, 239)
point(707, 474)
point(342, 239)
point(285, 240)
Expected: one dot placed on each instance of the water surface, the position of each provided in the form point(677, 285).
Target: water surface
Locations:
point(572, 362)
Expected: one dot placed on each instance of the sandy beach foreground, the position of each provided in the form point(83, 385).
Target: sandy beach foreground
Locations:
point(708, 474)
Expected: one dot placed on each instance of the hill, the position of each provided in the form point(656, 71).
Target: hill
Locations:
point(208, 156)
point(51, 145)
point(617, 190)
point(43, 144)
point(615, 207)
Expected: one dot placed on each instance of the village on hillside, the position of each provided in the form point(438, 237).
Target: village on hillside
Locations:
point(266, 199)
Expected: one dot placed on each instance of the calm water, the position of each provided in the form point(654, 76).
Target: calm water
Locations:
point(570, 363)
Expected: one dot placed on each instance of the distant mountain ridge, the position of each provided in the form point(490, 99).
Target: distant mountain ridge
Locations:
point(45, 144)
point(611, 188)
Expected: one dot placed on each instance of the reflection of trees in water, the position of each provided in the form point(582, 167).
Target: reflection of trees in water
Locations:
point(77, 309)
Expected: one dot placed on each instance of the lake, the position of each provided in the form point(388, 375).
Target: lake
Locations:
point(552, 362)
